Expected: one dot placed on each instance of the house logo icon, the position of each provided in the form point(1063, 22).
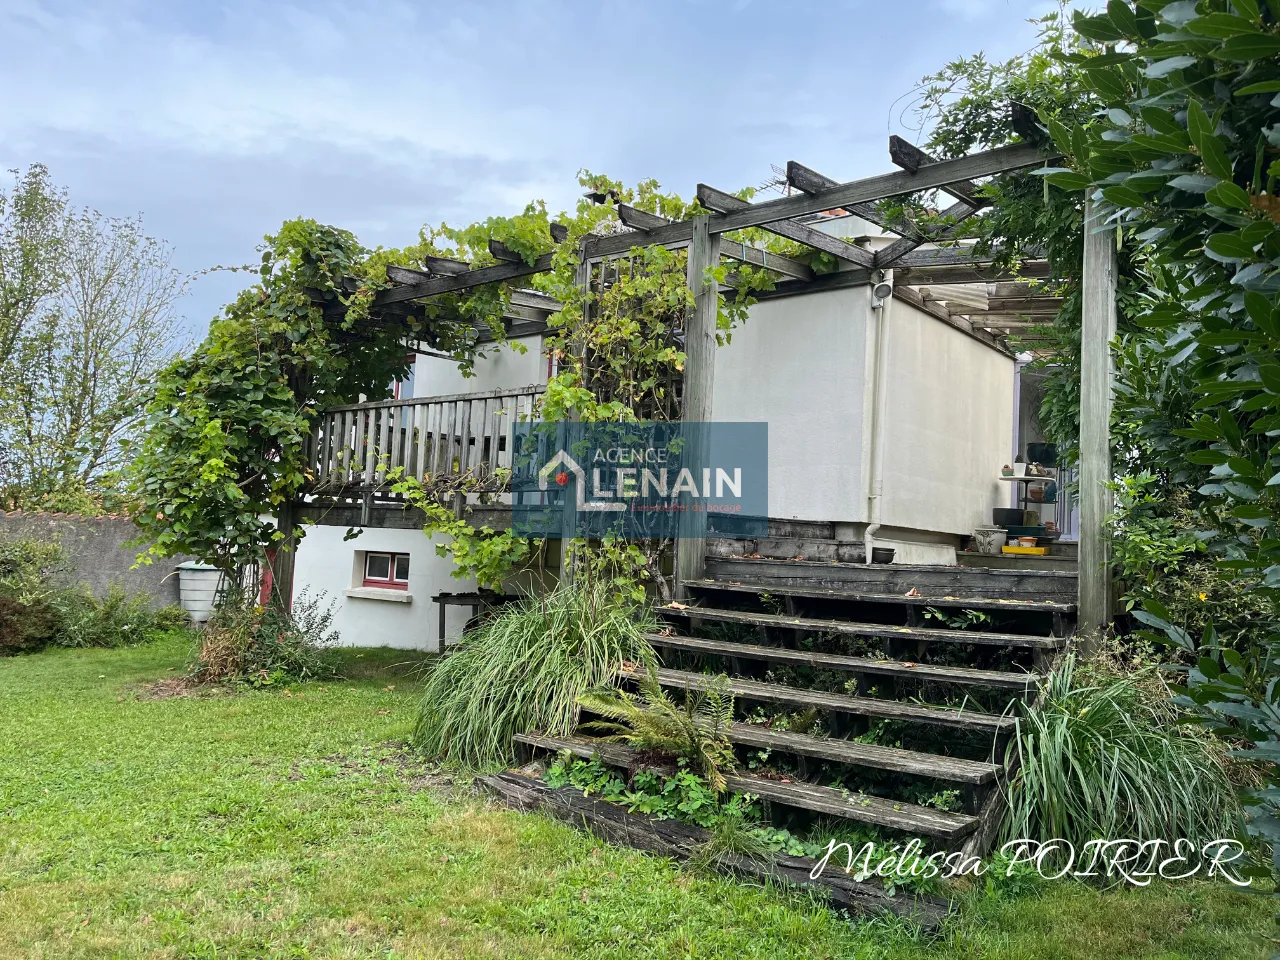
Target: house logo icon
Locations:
point(555, 469)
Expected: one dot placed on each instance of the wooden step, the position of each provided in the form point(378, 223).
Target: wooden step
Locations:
point(683, 842)
point(804, 796)
point(1007, 561)
point(929, 580)
point(893, 759)
point(1024, 683)
point(853, 594)
point(858, 806)
point(818, 625)
point(833, 702)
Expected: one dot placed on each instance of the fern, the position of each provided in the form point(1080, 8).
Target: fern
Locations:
point(695, 730)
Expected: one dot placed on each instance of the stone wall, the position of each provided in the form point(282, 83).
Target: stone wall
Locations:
point(95, 548)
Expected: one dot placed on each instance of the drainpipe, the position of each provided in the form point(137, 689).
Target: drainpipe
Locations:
point(881, 298)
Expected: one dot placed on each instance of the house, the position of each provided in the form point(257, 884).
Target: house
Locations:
point(897, 442)
point(891, 392)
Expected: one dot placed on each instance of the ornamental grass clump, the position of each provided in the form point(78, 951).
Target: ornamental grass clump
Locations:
point(525, 669)
point(1100, 756)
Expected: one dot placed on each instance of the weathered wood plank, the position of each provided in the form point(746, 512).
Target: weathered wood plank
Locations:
point(1097, 373)
point(832, 702)
point(810, 181)
point(1002, 604)
point(928, 177)
point(787, 266)
point(830, 661)
point(955, 215)
point(820, 625)
point(909, 295)
point(929, 581)
point(446, 265)
point(531, 390)
point(894, 759)
point(911, 158)
point(699, 385)
point(722, 202)
point(462, 281)
point(965, 273)
point(861, 807)
point(681, 841)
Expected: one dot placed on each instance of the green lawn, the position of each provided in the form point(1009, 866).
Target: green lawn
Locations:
point(290, 824)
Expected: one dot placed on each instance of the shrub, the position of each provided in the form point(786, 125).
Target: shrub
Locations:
point(695, 731)
point(525, 669)
point(1160, 557)
point(1102, 755)
point(29, 568)
point(25, 627)
point(263, 646)
point(38, 610)
point(120, 619)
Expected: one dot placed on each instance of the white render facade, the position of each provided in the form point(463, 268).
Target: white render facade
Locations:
point(808, 366)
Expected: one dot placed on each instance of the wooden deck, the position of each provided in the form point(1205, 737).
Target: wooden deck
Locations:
point(365, 446)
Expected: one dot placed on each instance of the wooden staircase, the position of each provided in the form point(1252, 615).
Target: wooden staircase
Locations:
point(879, 694)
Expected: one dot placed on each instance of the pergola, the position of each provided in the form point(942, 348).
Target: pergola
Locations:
point(951, 282)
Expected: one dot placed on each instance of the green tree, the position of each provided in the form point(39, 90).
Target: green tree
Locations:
point(1181, 158)
point(87, 315)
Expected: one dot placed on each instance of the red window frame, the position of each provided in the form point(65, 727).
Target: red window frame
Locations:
point(393, 580)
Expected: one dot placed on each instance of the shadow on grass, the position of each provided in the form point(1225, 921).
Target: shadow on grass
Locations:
point(405, 668)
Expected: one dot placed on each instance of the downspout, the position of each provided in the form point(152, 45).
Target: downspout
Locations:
point(881, 298)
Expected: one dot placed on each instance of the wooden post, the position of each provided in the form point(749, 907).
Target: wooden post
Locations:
point(582, 281)
point(282, 559)
point(1097, 330)
point(699, 382)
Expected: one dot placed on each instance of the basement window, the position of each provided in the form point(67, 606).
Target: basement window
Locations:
point(390, 571)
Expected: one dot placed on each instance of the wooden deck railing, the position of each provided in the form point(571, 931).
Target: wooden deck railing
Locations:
point(357, 445)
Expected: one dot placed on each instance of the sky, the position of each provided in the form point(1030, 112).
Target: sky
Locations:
point(217, 120)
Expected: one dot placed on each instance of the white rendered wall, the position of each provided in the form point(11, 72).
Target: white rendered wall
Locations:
point(948, 425)
point(325, 563)
point(798, 364)
point(503, 367)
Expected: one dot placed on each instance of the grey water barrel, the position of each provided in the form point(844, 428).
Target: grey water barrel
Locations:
point(198, 589)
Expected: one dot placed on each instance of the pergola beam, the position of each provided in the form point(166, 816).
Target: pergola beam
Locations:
point(463, 281)
point(926, 177)
point(787, 266)
point(929, 176)
point(955, 216)
point(911, 158)
point(722, 202)
point(944, 274)
point(935, 309)
point(808, 180)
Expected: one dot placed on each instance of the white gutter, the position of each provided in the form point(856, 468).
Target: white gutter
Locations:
point(875, 487)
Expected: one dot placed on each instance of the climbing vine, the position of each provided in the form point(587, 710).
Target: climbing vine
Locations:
point(617, 345)
point(227, 425)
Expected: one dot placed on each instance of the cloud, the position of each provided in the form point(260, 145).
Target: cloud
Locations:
point(218, 121)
